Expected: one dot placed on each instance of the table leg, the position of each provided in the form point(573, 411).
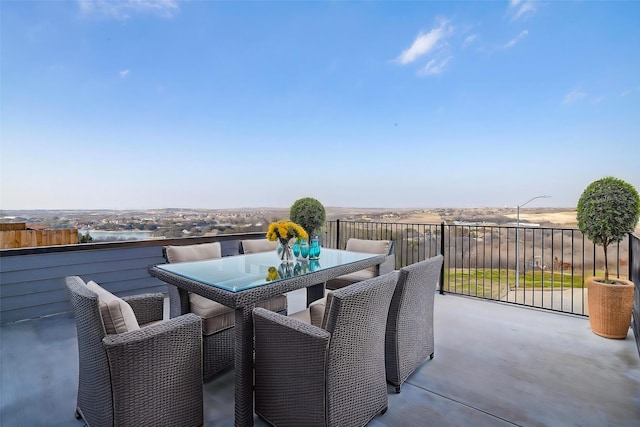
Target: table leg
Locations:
point(243, 366)
point(315, 292)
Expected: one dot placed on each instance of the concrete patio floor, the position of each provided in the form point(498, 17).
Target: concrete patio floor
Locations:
point(495, 365)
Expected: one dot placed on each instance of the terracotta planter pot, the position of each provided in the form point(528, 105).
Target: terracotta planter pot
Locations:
point(610, 307)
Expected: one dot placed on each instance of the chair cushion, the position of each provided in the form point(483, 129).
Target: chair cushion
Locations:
point(215, 316)
point(302, 315)
point(348, 279)
point(193, 252)
point(117, 314)
point(369, 247)
point(258, 245)
point(360, 245)
point(316, 311)
point(313, 315)
point(358, 276)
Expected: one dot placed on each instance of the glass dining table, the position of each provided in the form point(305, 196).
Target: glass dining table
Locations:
point(240, 281)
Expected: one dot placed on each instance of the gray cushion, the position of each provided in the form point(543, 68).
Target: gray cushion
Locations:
point(302, 315)
point(215, 316)
point(258, 245)
point(193, 252)
point(117, 314)
point(357, 276)
point(369, 247)
point(313, 315)
point(362, 246)
point(317, 310)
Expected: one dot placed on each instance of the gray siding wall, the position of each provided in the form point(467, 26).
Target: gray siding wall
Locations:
point(32, 280)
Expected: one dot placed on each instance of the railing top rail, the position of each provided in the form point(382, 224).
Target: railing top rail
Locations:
point(523, 225)
point(128, 244)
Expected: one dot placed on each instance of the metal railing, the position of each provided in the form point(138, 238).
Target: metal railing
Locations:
point(480, 260)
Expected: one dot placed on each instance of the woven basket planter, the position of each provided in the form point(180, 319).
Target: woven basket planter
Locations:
point(610, 307)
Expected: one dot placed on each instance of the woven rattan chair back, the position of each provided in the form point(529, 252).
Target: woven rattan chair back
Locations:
point(409, 337)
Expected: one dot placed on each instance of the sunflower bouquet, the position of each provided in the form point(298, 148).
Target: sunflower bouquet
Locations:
point(283, 231)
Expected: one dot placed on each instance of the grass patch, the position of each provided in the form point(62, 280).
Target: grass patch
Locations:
point(492, 283)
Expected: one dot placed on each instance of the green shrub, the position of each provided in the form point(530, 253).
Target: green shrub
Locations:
point(85, 238)
point(309, 214)
point(608, 209)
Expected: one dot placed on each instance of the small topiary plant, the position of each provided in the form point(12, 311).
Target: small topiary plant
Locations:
point(309, 214)
point(608, 209)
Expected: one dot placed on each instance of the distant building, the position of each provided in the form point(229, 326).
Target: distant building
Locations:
point(466, 223)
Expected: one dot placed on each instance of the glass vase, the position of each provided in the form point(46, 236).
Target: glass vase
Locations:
point(314, 265)
point(303, 245)
point(296, 248)
point(285, 252)
point(314, 249)
point(285, 270)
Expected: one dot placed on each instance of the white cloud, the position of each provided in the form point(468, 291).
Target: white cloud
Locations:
point(469, 39)
point(511, 43)
point(630, 91)
point(124, 74)
point(434, 67)
point(574, 96)
point(521, 9)
point(122, 9)
point(424, 44)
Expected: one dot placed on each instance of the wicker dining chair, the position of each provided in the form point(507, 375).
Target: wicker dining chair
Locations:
point(279, 302)
point(409, 336)
point(134, 368)
point(251, 246)
point(367, 246)
point(330, 376)
point(217, 319)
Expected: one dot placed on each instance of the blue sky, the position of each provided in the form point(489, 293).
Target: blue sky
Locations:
point(211, 104)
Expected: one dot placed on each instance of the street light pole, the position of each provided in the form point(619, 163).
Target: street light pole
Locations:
point(518, 236)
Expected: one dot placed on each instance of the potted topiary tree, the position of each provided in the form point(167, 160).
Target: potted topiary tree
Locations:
point(309, 213)
point(607, 211)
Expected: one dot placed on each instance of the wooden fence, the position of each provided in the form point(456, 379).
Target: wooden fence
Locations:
point(16, 235)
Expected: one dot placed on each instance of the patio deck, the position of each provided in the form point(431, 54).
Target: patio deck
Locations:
point(495, 365)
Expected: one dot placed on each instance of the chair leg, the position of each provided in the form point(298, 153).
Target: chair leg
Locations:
point(397, 389)
point(77, 414)
point(384, 410)
point(431, 356)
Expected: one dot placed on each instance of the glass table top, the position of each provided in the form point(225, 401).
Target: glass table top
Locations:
point(237, 273)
